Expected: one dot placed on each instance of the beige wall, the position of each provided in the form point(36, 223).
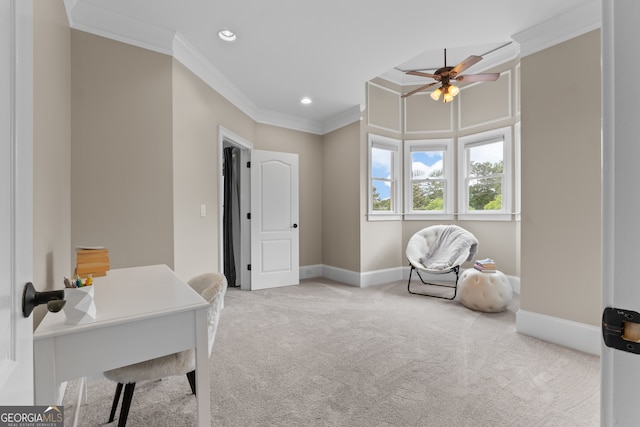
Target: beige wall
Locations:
point(121, 150)
point(197, 113)
point(561, 188)
point(308, 147)
point(154, 126)
point(51, 148)
point(340, 198)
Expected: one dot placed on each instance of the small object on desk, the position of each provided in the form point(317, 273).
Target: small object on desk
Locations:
point(92, 260)
point(68, 283)
point(89, 280)
point(78, 281)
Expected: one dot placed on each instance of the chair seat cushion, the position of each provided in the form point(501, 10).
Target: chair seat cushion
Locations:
point(439, 248)
point(149, 370)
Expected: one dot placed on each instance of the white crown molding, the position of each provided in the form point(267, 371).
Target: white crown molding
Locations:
point(195, 62)
point(91, 19)
point(275, 118)
point(68, 5)
point(560, 28)
point(343, 119)
point(94, 20)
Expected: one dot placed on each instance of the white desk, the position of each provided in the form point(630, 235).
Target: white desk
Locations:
point(142, 313)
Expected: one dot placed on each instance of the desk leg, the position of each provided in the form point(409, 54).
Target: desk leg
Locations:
point(82, 399)
point(203, 391)
point(44, 373)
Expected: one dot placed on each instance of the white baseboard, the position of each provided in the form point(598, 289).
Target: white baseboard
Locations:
point(341, 275)
point(377, 277)
point(567, 333)
point(362, 280)
point(310, 271)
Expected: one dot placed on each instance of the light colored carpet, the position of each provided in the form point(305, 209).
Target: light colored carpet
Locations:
point(326, 354)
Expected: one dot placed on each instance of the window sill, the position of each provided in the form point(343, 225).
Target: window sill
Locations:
point(384, 217)
point(485, 217)
point(427, 217)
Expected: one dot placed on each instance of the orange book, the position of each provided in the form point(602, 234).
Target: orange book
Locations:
point(92, 267)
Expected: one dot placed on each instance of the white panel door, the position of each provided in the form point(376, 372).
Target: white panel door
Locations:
point(274, 220)
point(16, 182)
point(621, 205)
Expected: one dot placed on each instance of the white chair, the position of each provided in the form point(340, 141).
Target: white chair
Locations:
point(212, 287)
point(440, 249)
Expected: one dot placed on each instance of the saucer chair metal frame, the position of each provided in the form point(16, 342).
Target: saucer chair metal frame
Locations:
point(419, 245)
point(454, 269)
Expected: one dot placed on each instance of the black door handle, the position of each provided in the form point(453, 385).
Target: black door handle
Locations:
point(295, 225)
point(32, 298)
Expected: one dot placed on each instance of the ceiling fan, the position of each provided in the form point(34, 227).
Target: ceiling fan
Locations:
point(446, 75)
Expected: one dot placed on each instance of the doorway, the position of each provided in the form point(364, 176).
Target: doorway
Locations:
point(234, 203)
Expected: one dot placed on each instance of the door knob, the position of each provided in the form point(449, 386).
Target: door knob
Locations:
point(32, 298)
point(295, 225)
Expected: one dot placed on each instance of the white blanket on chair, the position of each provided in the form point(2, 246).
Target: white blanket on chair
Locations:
point(453, 243)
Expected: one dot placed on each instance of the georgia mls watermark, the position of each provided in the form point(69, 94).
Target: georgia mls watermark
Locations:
point(31, 416)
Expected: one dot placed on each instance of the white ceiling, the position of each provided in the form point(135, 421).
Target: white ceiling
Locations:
point(327, 50)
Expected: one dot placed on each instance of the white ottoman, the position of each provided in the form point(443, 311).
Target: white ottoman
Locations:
point(489, 292)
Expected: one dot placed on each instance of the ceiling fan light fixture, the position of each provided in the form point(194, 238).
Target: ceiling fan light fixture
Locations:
point(447, 97)
point(435, 95)
point(453, 90)
point(306, 100)
point(227, 35)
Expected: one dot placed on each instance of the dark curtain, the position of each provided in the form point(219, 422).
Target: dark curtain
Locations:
point(228, 217)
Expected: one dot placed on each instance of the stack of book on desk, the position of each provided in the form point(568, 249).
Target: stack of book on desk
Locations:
point(486, 265)
point(94, 261)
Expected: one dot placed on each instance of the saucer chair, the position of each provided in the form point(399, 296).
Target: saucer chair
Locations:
point(439, 249)
point(211, 287)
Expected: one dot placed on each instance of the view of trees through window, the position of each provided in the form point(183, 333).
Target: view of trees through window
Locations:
point(381, 174)
point(380, 204)
point(482, 173)
point(427, 181)
point(486, 168)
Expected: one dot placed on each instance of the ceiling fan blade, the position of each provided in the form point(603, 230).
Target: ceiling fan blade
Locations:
point(421, 74)
point(420, 89)
point(486, 77)
point(473, 59)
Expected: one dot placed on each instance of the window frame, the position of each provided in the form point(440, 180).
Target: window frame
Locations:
point(445, 145)
point(464, 143)
point(395, 147)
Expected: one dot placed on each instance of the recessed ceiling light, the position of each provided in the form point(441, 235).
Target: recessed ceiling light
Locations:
point(227, 35)
point(306, 100)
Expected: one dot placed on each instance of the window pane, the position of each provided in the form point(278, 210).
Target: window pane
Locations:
point(426, 164)
point(486, 159)
point(381, 195)
point(485, 194)
point(428, 196)
point(381, 161)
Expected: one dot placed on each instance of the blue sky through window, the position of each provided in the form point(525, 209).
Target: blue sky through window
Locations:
point(381, 161)
point(425, 163)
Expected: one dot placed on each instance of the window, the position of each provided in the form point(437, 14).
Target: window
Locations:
point(384, 178)
point(485, 175)
point(428, 166)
